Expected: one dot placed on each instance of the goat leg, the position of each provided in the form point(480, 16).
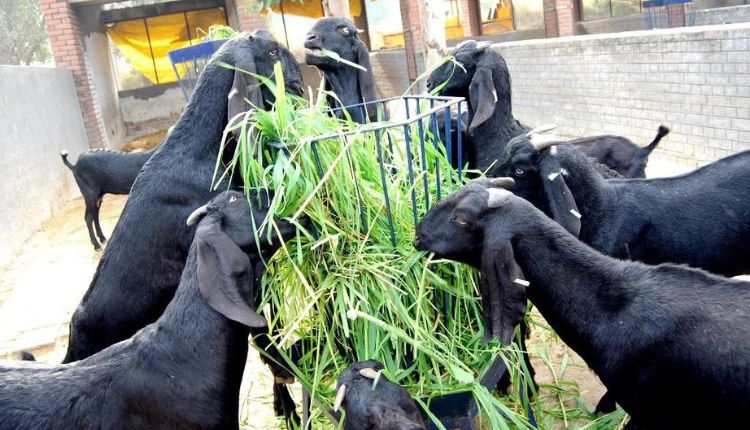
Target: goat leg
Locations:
point(89, 218)
point(98, 226)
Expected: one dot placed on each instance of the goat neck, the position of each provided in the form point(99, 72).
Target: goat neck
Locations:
point(344, 82)
point(589, 188)
point(199, 130)
point(571, 300)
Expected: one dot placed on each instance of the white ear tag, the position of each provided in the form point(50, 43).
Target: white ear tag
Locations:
point(232, 93)
point(575, 213)
point(553, 176)
point(523, 282)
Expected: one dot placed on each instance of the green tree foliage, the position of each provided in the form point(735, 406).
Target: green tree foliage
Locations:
point(23, 38)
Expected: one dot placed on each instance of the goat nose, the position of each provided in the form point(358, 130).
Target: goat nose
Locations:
point(311, 37)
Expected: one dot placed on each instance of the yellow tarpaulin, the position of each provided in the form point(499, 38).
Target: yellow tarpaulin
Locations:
point(313, 8)
point(166, 32)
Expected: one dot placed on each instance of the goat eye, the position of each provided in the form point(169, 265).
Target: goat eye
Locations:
point(232, 199)
point(462, 222)
point(345, 31)
point(274, 52)
point(519, 172)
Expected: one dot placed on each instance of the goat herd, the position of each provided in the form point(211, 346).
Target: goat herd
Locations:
point(618, 267)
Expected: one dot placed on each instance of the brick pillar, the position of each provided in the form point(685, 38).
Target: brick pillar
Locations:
point(469, 16)
point(550, 18)
point(249, 21)
point(567, 16)
point(68, 50)
point(413, 37)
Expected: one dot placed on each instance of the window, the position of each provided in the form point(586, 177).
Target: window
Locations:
point(600, 9)
point(384, 23)
point(499, 16)
point(141, 45)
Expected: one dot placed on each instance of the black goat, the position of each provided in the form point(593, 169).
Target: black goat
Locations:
point(624, 157)
point(351, 86)
point(701, 219)
point(375, 406)
point(102, 171)
point(664, 339)
point(483, 80)
point(183, 371)
point(140, 269)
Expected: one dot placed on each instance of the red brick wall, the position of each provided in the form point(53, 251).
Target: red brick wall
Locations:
point(249, 21)
point(567, 16)
point(67, 48)
point(412, 35)
point(469, 17)
point(550, 18)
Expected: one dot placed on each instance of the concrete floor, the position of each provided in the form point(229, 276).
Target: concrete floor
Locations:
point(41, 287)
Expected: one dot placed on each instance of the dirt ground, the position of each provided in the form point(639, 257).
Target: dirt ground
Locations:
point(41, 287)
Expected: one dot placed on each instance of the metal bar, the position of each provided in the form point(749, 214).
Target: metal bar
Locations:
point(360, 204)
point(447, 131)
point(425, 179)
point(435, 144)
point(459, 144)
point(386, 197)
point(409, 160)
point(151, 50)
point(383, 125)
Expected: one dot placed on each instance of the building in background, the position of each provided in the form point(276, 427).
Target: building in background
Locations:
point(126, 86)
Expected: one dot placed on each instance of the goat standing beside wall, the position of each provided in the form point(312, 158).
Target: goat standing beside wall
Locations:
point(102, 171)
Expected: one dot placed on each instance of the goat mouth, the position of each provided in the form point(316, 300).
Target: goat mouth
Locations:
point(315, 52)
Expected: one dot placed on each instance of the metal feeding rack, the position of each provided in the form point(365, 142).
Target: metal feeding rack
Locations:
point(189, 62)
point(401, 115)
point(668, 13)
point(416, 121)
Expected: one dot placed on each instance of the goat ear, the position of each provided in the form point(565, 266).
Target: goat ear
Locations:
point(245, 88)
point(562, 205)
point(396, 418)
point(503, 292)
point(483, 97)
point(222, 270)
point(365, 77)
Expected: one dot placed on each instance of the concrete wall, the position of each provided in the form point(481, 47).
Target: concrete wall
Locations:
point(39, 116)
point(151, 109)
point(695, 80)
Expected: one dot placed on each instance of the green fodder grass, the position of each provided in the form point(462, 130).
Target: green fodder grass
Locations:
point(341, 289)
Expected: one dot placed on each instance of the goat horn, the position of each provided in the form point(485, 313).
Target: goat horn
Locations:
point(339, 397)
point(541, 129)
point(197, 214)
point(504, 182)
point(369, 373)
point(540, 141)
point(481, 46)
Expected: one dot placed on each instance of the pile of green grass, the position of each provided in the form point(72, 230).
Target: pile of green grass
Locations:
point(341, 288)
